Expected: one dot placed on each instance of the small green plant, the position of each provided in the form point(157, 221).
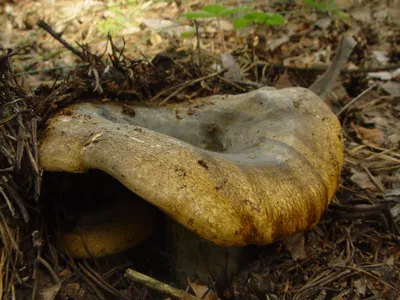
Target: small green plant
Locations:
point(330, 7)
point(214, 11)
point(120, 20)
point(219, 11)
point(260, 18)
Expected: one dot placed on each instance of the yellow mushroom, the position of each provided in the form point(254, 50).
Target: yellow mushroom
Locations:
point(236, 170)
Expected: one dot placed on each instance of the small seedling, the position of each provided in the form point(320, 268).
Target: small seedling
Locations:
point(260, 18)
point(214, 11)
point(218, 11)
point(121, 19)
point(330, 7)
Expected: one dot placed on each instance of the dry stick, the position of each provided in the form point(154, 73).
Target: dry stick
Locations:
point(221, 34)
point(9, 256)
point(323, 85)
point(97, 281)
point(2, 262)
point(34, 163)
point(38, 177)
point(17, 198)
point(34, 274)
point(393, 287)
point(186, 84)
point(232, 83)
point(380, 148)
point(321, 281)
point(373, 179)
point(9, 234)
point(49, 268)
point(167, 90)
point(158, 285)
point(381, 153)
point(21, 135)
point(94, 288)
point(8, 201)
point(96, 277)
point(58, 37)
point(196, 24)
point(324, 68)
point(74, 266)
point(354, 100)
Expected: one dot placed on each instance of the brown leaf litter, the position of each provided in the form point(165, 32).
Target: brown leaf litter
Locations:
point(352, 253)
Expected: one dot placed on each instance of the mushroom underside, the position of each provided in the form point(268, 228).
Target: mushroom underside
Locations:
point(235, 170)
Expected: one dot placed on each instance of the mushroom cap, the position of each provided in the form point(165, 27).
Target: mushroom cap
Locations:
point(237, 170)
point(120, 228)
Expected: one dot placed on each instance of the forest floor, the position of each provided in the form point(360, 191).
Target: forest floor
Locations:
point(354, 252)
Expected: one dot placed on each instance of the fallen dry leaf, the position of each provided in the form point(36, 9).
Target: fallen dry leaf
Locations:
point(295, 245)
point(360, 285)
point(202, 291)
point(233, 69)
point(370, 135)
point(362, 180)
point(283, 81)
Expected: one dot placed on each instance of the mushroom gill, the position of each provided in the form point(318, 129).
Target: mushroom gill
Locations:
point(236, 170)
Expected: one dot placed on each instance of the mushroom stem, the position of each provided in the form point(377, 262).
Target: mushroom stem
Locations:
point(200, 259)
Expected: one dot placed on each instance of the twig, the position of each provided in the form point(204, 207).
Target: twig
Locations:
point(232, 83)
point(58, 37)
point(196, 24)
point(50, 69)
point(8, 252)
point(363, 211)
point(21, 141)
point(221, 34)
point(97, 278)
point(17, 198)
point(381, 153)
point(324, 68)
point(10, 236)
point(354, 100)
point(373, 179)
point(380, 149)
point(9, 203)
point(158, 285)
point(73, 265)
point(189, 83)
point(393, 287)
point(38, 177)
point(49, 268)
point(323, 85)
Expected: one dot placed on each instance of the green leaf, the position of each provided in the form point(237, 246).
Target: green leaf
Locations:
point(241, 23)
point(214, 9)
point(198, 15)
point(109, 26)
point(275, 20)
point(258, 17)
point(231, 11)
point(188, 34)
point(316, 5)
point(254, 16)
